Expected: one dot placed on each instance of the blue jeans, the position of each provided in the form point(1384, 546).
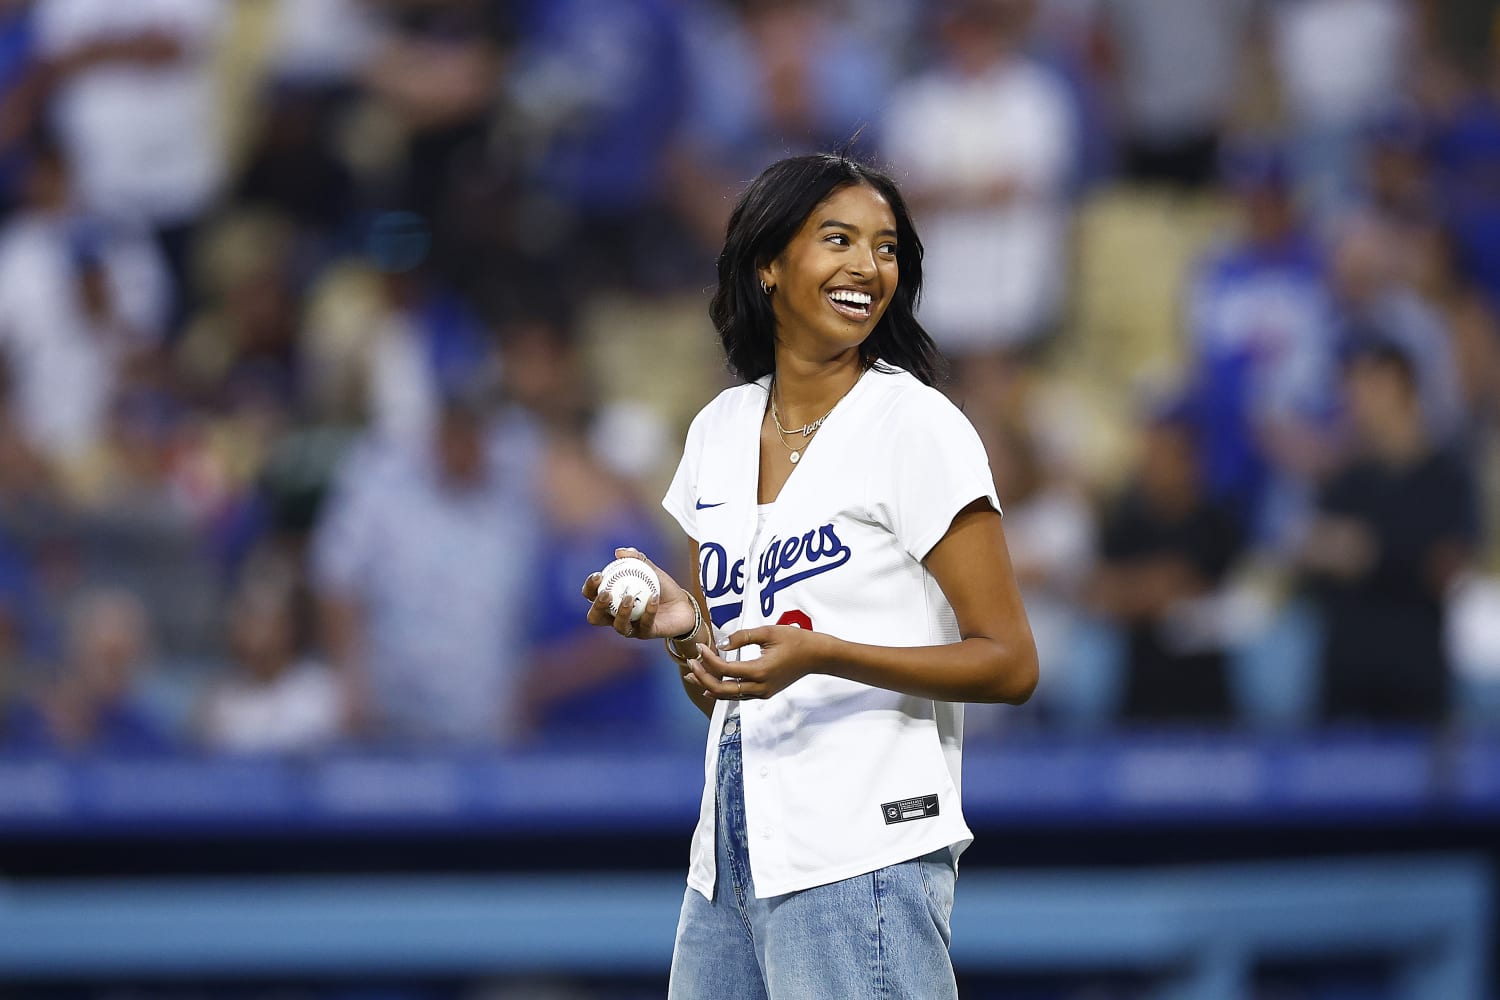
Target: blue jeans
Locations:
point(881, 935)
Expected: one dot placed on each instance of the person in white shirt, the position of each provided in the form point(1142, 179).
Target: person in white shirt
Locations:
point(1343, 66)
point(81, 304)
point(135, 102)
point(275, 700)
point(987, 142)
point(852, 588)
point(421, 564)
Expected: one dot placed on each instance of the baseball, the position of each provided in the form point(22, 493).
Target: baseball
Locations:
point(633, 577)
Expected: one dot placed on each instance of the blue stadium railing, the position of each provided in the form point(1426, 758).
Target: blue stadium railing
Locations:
point(1221, 778)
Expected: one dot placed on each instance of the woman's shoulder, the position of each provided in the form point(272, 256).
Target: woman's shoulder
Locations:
point(733, 402)
point(901, 397)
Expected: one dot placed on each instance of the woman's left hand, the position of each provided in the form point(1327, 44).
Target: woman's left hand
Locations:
point(787, 654)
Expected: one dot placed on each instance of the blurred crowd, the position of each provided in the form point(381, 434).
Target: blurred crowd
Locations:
point(341, 339)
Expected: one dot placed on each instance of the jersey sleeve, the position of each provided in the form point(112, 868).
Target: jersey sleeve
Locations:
point(681, 499)
point(937, 467)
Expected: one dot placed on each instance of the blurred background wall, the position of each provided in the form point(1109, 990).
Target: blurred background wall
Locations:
point(341, 339)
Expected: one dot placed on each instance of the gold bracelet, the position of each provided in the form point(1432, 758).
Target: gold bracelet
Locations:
point(671, 640)
point(697, 620)
point(672, 649)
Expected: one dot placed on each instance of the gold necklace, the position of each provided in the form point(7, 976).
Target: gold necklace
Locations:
point(806, 430)
point(781, 436)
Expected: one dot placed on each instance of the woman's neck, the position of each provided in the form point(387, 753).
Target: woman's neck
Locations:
point(806, 390)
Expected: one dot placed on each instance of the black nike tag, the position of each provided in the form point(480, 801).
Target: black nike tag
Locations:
point(906, 810)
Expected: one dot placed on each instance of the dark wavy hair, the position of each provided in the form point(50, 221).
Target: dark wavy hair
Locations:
point(766, 217)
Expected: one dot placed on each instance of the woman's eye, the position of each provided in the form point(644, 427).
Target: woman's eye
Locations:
point(838, 238)
point(888, 248)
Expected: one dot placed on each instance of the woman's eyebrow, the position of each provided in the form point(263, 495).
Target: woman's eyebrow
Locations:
point(836, 224)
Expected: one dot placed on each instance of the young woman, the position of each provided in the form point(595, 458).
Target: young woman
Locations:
point(852, 587)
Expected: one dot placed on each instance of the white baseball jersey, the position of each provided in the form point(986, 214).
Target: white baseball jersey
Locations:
point(840, 778)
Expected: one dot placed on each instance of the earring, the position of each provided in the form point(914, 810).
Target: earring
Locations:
point(765, 287)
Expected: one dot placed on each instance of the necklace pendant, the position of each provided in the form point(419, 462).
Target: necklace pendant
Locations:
point(796, 457)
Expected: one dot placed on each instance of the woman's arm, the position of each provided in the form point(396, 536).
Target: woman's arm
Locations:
point(704, 636)
point(671, 614)
point(995, 661)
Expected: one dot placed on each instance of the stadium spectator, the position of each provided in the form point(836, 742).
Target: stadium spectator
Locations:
point(97, 704)
point(1263, 349)
point(580, 684)
point(600, 90)
point(1341, 66)
point(274, 700)
point(1394, 528)
point(82, 302)
point(135, 105)
point(987, 143)
point(299, 110)
point(1372, 299)
point(424, 339)
point(1177, 65)
point(1166, 549)
point(435, 66)
point(422, 563)
point(435, 79)
point(543, 371)
point(768, 79)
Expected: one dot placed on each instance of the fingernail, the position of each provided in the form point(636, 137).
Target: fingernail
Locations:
point(722, 644)
point(701, 648)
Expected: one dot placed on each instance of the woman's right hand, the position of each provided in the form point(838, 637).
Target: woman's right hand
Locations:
point(665, 616)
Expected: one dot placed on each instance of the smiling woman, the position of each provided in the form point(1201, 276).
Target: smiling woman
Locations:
point(851, 588)
point(835, 278)
point(777, 211)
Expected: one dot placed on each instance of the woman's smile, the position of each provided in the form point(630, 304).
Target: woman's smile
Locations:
point(851, 302)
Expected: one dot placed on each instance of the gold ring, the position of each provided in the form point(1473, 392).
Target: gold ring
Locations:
point(739, 693)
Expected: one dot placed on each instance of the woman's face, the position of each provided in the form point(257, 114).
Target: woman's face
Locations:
point(833, 281)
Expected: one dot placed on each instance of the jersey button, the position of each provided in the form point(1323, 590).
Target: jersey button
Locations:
point(765, 835)
point(764, 771)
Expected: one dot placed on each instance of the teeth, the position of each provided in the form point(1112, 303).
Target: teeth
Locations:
point(851, 297)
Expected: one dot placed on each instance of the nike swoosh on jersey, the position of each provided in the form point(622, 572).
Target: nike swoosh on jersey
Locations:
point(706, 506)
